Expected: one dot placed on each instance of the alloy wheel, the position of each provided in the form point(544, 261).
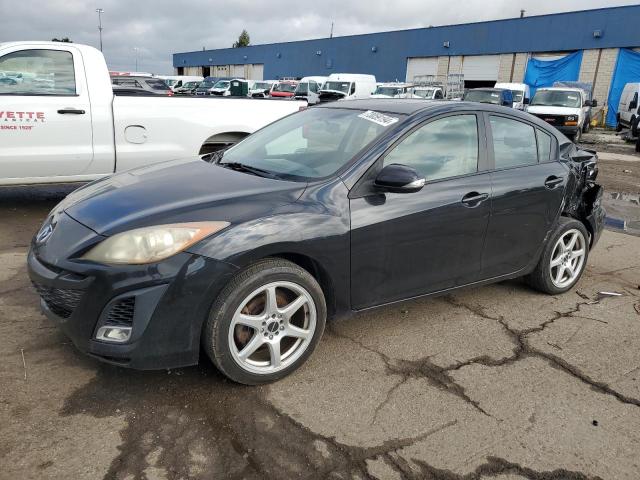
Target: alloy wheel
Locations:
point(272, 327)
point(567, 258)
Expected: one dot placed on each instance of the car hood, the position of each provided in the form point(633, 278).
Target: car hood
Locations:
point(177, 191)
point(548, 110)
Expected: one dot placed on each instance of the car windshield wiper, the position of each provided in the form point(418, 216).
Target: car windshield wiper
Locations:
point(249, 169)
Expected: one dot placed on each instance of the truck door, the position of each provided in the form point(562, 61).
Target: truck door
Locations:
point(45, 114)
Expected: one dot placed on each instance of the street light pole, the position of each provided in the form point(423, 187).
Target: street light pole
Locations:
point(100, 11)
point(135, 49)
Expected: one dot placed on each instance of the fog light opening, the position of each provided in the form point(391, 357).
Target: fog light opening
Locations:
point(113, 334)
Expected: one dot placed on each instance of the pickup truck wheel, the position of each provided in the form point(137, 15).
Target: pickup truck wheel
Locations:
point(266, 322)
point(563, 259)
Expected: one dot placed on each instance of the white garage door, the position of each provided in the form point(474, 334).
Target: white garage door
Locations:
point(237, 71)
point(421, 66)
point(481, 67)
point(254, 71)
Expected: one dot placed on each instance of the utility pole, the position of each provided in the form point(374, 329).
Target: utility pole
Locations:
point(100, 11)
point(331, 34)
point(135, 49)
point(522, 13)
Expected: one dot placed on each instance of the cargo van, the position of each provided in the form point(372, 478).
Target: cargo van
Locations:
point(628, 109)
point(309, 89)
point(177, 81)
point(340, 86)
point(520, 92)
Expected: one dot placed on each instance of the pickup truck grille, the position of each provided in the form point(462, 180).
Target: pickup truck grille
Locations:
point(551, 119)
point(62, 302)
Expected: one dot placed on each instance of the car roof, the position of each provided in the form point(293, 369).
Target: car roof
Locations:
point(411, 107)
point(561, 89)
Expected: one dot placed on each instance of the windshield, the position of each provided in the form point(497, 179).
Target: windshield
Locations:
point(261, 86)
point(337, 86)
point(170, 82)
point(517, 95)
point(556, 98)
point(302, 88)
point(191, 84)
point(157, 84)
point(206, 84)
point(222, 84)
point(314, 143)
point(427, 93)
point(482, 96)
point(389, 91)
point(284, 87)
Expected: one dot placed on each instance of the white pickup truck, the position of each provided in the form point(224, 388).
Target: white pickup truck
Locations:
point(61, 122)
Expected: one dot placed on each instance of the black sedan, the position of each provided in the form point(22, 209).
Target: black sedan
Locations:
point(332, 210)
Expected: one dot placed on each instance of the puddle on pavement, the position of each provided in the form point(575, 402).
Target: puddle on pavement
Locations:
point(623, 211)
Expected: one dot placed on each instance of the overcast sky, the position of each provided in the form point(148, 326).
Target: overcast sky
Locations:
point(159, 28)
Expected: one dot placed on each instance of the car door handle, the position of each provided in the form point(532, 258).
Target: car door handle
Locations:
point(72, 111)
point(473, 199)
point(552, 182)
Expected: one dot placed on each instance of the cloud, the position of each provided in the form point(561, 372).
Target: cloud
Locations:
point(159, 28)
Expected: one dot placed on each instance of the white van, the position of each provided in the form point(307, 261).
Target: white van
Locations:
point(176, 81)
point(394, 90)
point(309, 89)
point(628, 109)
point(262, 88)
point(520, 92)
point(340, 86)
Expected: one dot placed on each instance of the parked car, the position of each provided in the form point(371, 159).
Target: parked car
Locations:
point(428, 92)
point(222, 88)
point(177, 81)
point(284, 89)
point(120, 90)
point(495, 96)
point(208, 84)
point(262, 88)
point(75, 129)
point(336, 209)
point(567, 109)
point(340, 86)
point(628, 108)
point(393, 90)
point(309, 89)
point(519, 91)
point(188, 88)
point(150, 84)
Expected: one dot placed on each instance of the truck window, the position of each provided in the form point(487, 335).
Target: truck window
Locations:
point(38, 72)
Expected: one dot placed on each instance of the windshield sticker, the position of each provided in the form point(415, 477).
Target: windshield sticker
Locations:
point(572, 97)
point(495, 95)
point(379, 118)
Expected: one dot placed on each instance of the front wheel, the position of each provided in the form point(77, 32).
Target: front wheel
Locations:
point(563, 259)
point(576, 137)
point(266, 322)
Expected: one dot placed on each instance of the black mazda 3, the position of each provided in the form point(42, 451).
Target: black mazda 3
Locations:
point(339, 208)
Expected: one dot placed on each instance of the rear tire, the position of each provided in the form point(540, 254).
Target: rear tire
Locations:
point(265, 323)
point(563, 259)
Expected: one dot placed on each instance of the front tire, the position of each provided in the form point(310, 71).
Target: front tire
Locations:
point(266, 322)
point(563, 259)
point(576, 137)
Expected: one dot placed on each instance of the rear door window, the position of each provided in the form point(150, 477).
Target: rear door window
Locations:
point(514, 143)
point(544, 146)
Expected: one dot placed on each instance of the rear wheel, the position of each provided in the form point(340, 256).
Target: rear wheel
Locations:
point(265, 323)
point(563, 259)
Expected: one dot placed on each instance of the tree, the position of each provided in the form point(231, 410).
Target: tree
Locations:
point(63, 39)
point(243, 40)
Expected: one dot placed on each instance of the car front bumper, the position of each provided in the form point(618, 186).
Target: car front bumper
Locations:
point(164, 304)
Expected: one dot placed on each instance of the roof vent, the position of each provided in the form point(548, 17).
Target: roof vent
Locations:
point(445, 44)
point(597, 33)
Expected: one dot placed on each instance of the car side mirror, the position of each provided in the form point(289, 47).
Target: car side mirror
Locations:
point(588, 103)
point(396, 178)
point(526, 101)
point(594, 103)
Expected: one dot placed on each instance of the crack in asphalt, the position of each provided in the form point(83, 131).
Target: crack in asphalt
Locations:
point(424, 368)
point(522, 349)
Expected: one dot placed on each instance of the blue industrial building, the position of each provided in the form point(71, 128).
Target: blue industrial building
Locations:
point(485, 52)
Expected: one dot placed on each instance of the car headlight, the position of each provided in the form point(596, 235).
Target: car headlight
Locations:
point(151, 244)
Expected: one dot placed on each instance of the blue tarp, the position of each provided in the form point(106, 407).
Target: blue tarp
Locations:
point(627, 71)
point(541, 73)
